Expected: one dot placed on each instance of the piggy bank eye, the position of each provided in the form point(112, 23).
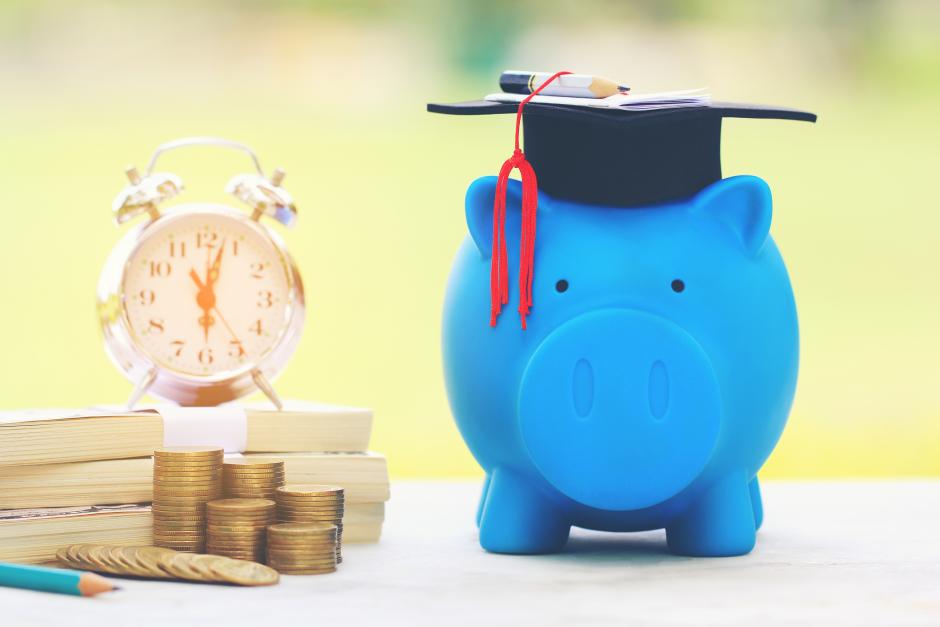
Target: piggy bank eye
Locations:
point(677, 285)
point(561, 286)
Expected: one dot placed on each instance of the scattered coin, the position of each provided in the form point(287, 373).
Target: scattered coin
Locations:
point(162, 563)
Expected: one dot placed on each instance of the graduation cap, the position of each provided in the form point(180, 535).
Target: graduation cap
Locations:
point(603, 156)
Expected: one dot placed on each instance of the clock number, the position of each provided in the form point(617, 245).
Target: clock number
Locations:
point(177, 247)
point(156, 326)
point(160, 268)
point(178, 345)
point(235, 349)
point(265, 299)
point(256, 327)
point(205, 356)
point(257, 268)
point(146, 297)
point(207, 239)
point(235, 248)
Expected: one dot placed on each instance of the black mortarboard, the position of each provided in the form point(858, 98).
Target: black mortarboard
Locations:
point(598, 156)
point(619, 157)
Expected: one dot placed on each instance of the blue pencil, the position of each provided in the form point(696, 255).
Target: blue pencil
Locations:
point(53, 580)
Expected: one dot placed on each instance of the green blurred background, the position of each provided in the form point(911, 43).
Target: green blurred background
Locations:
point(335, 92)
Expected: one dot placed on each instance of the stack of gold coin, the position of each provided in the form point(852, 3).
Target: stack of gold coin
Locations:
point(185, 478)
point(247, 479)
point(302, 548)
point(237, 527)
point(313, 504)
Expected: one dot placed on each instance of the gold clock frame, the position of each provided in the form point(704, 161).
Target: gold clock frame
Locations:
point(265, 197)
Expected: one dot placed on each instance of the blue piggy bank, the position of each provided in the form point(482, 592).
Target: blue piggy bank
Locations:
point(653, 381)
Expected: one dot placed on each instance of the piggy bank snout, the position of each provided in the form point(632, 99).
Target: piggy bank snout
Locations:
point(619, 409)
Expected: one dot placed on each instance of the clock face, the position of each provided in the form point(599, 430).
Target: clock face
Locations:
point(206, 295)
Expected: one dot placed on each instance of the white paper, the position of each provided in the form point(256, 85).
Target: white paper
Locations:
point(225, 426)
point(623, 102)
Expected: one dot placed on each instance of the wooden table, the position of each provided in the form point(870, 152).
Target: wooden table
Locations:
point(834, 553)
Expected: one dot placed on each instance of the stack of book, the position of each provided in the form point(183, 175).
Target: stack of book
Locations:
point(87, 476)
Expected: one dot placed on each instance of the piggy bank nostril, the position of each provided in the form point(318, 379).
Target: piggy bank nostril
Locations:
point(582, 387)
point(658, 394)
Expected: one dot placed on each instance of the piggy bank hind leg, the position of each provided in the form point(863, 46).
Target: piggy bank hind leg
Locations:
point(719, 524)
point(518, 518)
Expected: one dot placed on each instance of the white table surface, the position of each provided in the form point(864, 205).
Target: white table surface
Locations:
point(835, 553)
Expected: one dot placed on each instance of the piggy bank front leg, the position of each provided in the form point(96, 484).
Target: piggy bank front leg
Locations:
point(517, 517)
point(486, 489)
point(719, 523)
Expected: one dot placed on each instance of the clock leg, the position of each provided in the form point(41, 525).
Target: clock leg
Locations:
point(265, 386)
point(141, 388)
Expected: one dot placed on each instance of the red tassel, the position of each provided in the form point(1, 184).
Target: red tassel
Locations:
point(499, 273)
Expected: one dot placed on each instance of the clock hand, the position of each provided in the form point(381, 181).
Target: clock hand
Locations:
point(212, 274)
point(205, 298)
point(231, 332)
point(195, 277)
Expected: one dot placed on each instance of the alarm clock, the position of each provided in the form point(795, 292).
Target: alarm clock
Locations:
point(201, 303)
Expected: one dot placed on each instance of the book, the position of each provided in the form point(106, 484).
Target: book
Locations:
point(364, 476)
point(57, 436)
point(622, 102)
point(32, 536)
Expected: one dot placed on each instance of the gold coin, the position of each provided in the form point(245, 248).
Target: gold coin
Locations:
point(284, 570)
point(337, 508)
point(284, 511)
point(246, 513)
point(245, 532)
point(204, 470)
point(178, 488)
point(183, 477)
point(300, 499)
point(266, 475)
point(235, 540)
point(250, 492)
point(200, 563)
point(179, 566)
point(245, 486)
point(302, 563)
point(224, 505)
point(145, 558)
point(254, 553)
point(245, 573)
point(282, 554)
point(252, 482)
point(84, 556)
point(291, 529)
point(72, 554)
point(164, 529)
point(253, 464)
point(310, 516)
point(302, 540)
point(100, 556)
point(308, 489)
point(115, 555)
point(285, 567)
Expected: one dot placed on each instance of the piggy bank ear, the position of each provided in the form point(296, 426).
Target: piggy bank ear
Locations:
point(744, 204)
point(479, 206)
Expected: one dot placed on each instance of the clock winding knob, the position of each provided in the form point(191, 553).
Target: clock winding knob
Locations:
point(144, 194)
point(265, 196)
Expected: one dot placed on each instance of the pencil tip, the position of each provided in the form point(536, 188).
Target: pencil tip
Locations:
point(116, 588)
